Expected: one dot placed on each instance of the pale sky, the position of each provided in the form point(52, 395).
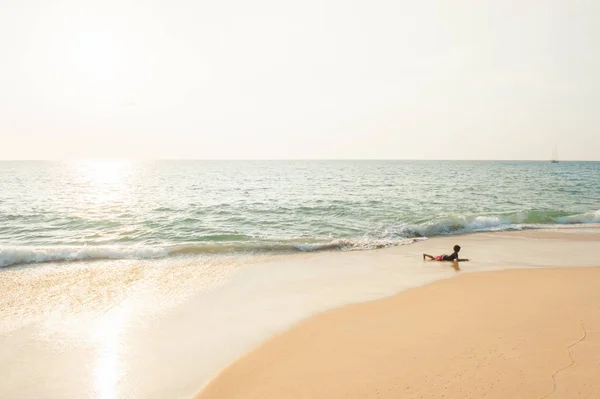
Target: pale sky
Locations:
point(299, 79)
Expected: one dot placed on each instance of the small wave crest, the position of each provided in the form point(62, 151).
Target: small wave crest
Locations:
point(454, 225)
point(288, 246)
point(513, 221)
point(232, 244)
point(582, 218)
point(13, 255)
point(355, 245)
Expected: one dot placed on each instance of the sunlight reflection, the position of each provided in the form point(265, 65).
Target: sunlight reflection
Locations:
point(105, 180)
point(104, 172)
point(108, 368)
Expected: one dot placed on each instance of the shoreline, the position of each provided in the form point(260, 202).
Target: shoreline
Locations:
point(179, 310)
point(508, 333)
point(44, 256)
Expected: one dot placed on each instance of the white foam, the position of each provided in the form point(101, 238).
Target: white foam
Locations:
point(583, 218)
point(10, 255)
point(468, 224)
point(401, 235)
point(458, 224)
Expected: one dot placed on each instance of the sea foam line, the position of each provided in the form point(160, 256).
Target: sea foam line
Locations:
point(399, 235)
point(11, 255)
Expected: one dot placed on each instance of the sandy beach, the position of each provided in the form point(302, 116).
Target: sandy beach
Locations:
point(500, 334)
point(330, 324)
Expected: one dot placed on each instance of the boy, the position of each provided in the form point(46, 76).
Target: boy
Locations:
point(452, 258)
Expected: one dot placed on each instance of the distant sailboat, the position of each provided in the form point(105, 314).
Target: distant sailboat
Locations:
point(554, 155)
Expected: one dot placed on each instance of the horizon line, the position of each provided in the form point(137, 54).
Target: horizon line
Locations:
point(287, 159)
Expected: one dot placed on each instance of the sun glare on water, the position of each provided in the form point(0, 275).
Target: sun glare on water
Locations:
point(105, 181)
point(103, 172)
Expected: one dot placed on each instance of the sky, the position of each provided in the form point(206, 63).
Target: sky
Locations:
point(272, 79)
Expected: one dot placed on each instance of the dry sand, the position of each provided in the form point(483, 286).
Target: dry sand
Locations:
point(504, 334)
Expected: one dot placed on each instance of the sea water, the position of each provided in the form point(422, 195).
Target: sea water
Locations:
point(56, 211)
point(143, 279)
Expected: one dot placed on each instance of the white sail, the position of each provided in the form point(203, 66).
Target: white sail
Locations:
point(554, 155)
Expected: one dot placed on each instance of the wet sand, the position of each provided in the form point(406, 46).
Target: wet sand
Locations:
point(164, 328)
point(530, 333)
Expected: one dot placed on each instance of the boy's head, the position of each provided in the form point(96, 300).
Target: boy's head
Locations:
point(457, 248)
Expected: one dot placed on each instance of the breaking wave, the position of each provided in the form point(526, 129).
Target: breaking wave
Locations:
point(400, 234)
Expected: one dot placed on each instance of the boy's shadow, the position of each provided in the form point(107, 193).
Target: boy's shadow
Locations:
point(455, 266)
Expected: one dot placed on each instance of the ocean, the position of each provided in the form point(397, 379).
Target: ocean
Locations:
point(144, 279)
point(65, 211)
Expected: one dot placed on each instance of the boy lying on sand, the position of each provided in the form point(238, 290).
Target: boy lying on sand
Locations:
point(453, 258)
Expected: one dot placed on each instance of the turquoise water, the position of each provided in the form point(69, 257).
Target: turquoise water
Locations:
point(52, 211)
